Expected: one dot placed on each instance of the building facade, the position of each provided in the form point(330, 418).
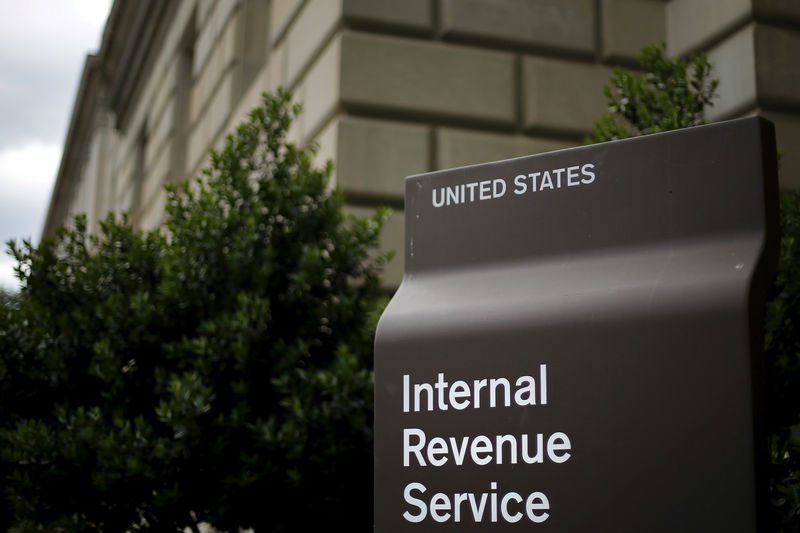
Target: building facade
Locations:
point(392, 88)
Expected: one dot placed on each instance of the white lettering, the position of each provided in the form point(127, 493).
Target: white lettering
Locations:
point(459, 390)
point(547, 181)
point(513, 518)
point(493, 495)
point(532, 448)
point(471, 187)
point(419, 504)
point(459, 498)
point(498, 188)
point(537, 501)
point(481, 445)
point(543, 384)
point(539, 456)
point(479, 384)
point(440, 502)
point(437, 447)
point(477, 511)
point(557, 178)
point(441, 385)
point(419, 388)
point(586, 170)
point(494, 383)
point(556, 443)
point(440, 203)
point(526, 386)
point(443, 509)
point(442, 395)
point(406, 386)
point(458, 455)
point(485, 189)
point(452, 194)
point(558, 173)
point(512, 448)
point(416, 449)
point(534, 176)
point(519, 184)
point(572, 176)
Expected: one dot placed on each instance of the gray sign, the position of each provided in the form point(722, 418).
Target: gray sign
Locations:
point(576, 342)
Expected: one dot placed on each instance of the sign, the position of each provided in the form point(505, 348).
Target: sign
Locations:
point(576, 342)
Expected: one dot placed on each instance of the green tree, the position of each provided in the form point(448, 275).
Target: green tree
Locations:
point(782, 352)
point(669, 93)
point(217, 369)
point(672, 93)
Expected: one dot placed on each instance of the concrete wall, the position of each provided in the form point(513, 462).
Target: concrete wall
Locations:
point(392, 88)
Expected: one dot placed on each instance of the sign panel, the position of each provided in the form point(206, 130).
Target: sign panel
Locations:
point(575, 345)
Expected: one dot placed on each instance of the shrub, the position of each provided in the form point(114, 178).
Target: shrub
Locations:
point(216, 369)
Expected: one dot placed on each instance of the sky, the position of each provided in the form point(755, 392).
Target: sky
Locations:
point(43, 46)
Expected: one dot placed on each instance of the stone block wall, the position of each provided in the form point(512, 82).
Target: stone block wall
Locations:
point(750, 43)
point(392, 88)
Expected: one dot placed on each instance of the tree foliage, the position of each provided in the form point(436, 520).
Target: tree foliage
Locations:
point(669, 94)
point(216, 369)
point(673, 93)
point(782, 351)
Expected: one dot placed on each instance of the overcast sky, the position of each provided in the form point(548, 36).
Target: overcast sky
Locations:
point(43, 46)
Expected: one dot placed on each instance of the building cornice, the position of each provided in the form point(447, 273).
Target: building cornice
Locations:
point(108, 81)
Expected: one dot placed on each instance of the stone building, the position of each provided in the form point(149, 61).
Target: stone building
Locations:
point(392, 87)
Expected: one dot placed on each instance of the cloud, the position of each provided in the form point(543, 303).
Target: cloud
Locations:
point(7, 279)
point(31, 108)
point(43, 46)
point(26, 179)
point(45, 34)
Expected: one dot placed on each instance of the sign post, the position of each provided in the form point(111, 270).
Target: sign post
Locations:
point(576, 343)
